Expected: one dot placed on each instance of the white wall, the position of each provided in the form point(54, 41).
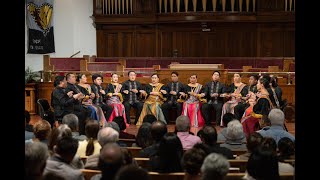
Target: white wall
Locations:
point(73, 32)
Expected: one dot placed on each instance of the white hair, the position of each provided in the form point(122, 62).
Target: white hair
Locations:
point(215, 166)
point(276, 117)
point(36, 155)
point(183, 123)
point(71, 120)
point(107, 135)
point(234, 130)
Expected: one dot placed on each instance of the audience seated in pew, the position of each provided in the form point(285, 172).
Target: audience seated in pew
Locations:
point(56, 134)
point(58, 163)
point(226, 118)
point(253, 141)
point(169, 155)
point(158, 130)
point(36, 155)
point(143, 138)
point(183, 128)
point(105, 135)
point(111, 159)
point(215, 166)
point(286, 148)
point(90, 145)
point(235, 137)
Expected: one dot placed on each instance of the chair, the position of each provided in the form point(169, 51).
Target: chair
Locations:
point(45, 111)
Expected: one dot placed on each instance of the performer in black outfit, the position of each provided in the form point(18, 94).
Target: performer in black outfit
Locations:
point(212, 91)
point(64, 102)
point(131, 90)
point(175, 89)
point(100, 95)
point(252, 89)
point(78, 106)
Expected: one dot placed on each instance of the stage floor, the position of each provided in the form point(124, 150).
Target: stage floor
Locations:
point(133, 129)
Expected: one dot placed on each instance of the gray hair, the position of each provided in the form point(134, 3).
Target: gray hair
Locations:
point(183, 123)
point(276, 117)
point(107, 135)
point(71, 120)
point(215, 166)
point(113, 125)
point(234, 130)
point(36, 155)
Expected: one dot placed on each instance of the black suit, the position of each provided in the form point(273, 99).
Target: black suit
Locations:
point(131, 99)
point(79, 109)
point(172, 99)
point(213, 103)
point(63, 104)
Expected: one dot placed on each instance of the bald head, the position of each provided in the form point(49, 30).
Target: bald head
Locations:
point(111, 159)
point(107, 135)
point(183, 123)
point(158, 130)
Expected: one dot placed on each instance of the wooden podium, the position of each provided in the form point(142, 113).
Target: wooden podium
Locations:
point(30, 99)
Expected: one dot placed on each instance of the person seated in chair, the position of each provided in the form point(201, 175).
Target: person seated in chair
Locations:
point(131, 90)
point(175, 89)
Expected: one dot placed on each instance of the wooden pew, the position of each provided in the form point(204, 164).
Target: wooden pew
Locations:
point(88, 173)
point(134, 151)
point(239, 176)
point(167, 176)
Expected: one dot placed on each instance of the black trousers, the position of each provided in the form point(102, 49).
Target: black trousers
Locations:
point(207, 109)
point(82, 115)
point(137, 105)
point(169, 105)
point(107, 110)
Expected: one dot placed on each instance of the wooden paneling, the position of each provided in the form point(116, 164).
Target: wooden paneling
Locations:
point(127, 44)
point(112, 44)
point(146, 44)
point(166, 42)
point(221, 40)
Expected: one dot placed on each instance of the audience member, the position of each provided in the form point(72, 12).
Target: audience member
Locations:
point(226, 118)
point(158, 130)
point(72, 121)
point(168, 158)
point(191, 163)
point(286, 149)
point(276, 130)
point(59, 162)
point(270, 144)
point(235, 137)
point(262, 165)
point(91, 145)
point(183, 128)
point(105, 135)
point(36, 155)
point(254, 140)
point(143, 138)
point(209, 137)
point(132, 172)
point(56, 134)
point(41, 131)
point(110, 161)
point(215, 166)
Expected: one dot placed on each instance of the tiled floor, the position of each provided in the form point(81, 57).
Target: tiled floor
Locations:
point(133, 129)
